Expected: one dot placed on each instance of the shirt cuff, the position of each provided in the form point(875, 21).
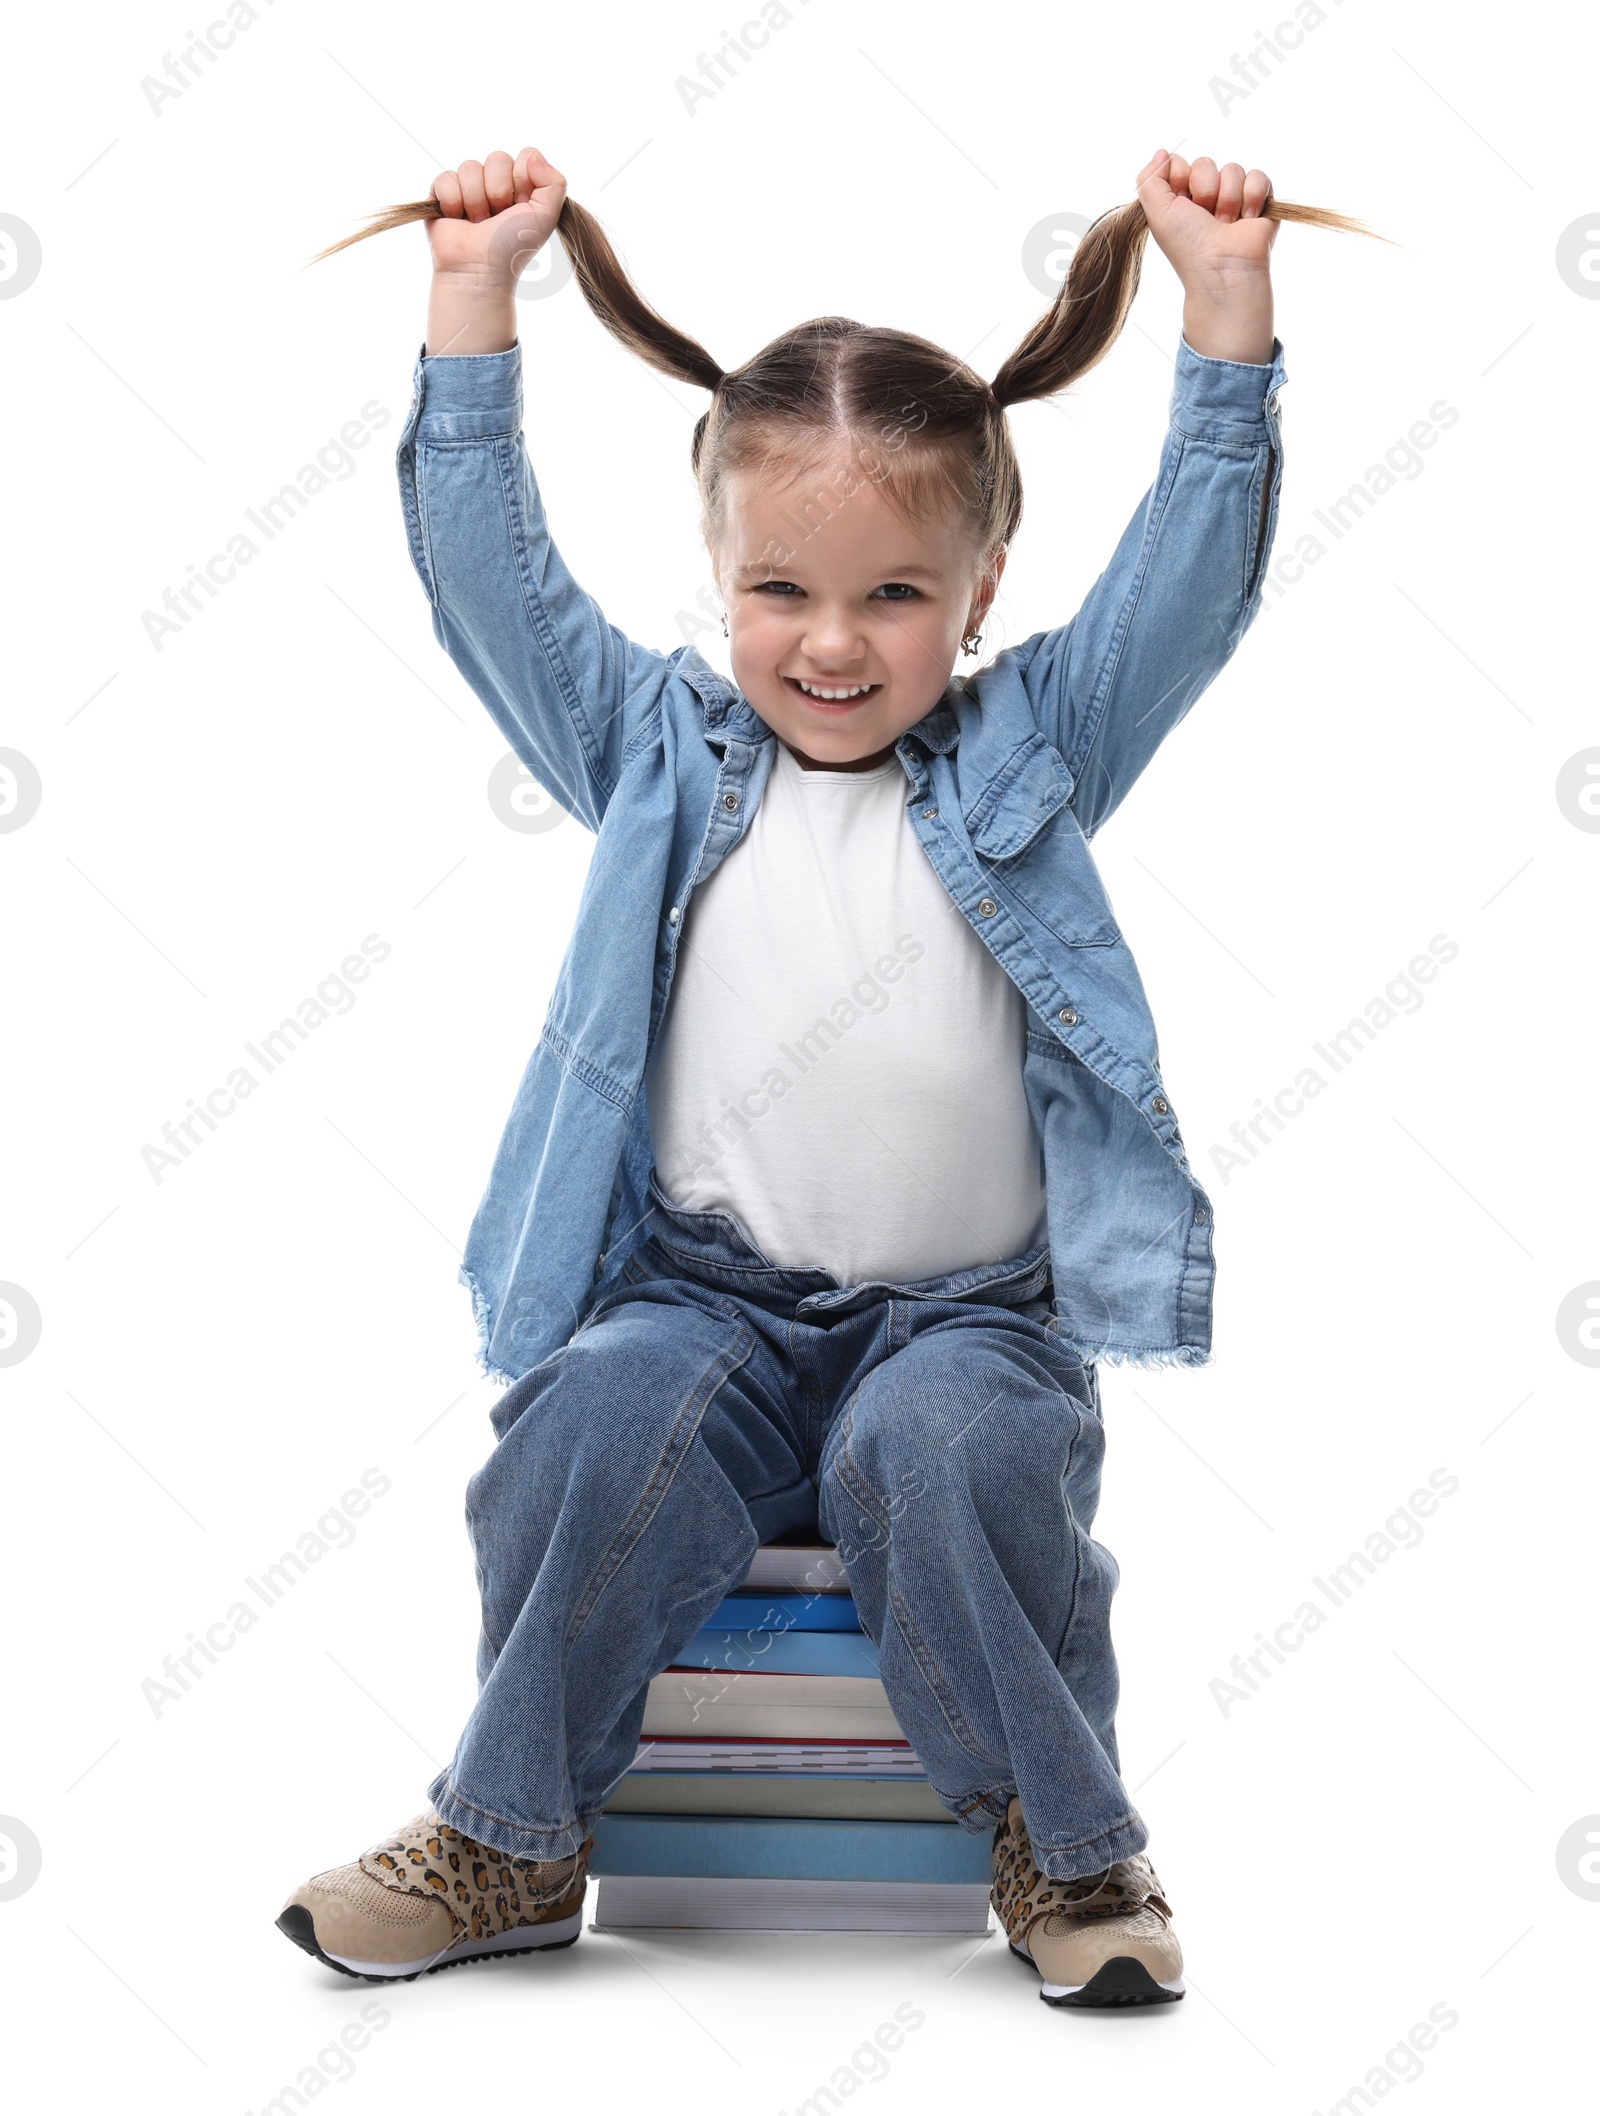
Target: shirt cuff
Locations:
point(1226, 400)
point(467, 396)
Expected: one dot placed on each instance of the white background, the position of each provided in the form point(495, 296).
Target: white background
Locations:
point(1375, 1830)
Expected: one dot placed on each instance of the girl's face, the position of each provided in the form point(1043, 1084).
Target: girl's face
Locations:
point(844, 619)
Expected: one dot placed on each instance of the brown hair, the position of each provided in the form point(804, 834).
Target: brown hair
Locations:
point(832, 380)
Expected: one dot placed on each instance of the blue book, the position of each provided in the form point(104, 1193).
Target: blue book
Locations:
point(786, 1612)
point(782, 1652)
point(788, 1849)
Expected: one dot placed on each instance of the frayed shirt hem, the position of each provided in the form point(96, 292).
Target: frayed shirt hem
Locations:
point(483, 1321)
point(1140, 1355)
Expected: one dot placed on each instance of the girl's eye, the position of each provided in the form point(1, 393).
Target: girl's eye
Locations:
point(786, 590)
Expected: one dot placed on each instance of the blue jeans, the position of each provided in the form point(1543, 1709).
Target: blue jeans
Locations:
point(939, 1433)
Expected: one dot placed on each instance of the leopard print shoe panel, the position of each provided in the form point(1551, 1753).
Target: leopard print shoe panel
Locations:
point(1102, 1940)
point(1022, 1894)
point(486, 1892)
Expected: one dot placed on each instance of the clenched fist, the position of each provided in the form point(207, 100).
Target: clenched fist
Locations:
point(495, 216)
point(1211, 223)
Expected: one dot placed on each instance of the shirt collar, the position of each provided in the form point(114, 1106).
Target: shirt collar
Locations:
point(939, 730)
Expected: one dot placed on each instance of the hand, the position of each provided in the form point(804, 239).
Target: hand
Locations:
point(1210, 225)
point(495, 216)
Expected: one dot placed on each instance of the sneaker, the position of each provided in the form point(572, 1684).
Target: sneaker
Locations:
point(1104, 1940)
point(427, 1898)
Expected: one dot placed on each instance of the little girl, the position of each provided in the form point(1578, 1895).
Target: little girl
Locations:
point(844, 1157)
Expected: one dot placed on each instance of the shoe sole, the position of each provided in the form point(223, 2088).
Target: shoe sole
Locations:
point(296, 1923)
point(1120, 1982)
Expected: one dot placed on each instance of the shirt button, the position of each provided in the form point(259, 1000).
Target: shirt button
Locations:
point(730, 802)
point(1068, 1017)
point(673, 916)
point(988, 908)
point(1199, 1215)
point(928, 814)
point(1161, 1106)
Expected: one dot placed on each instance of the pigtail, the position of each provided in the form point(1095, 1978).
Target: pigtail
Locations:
point(605, 286)
point(933, 427)
point(1085, 319)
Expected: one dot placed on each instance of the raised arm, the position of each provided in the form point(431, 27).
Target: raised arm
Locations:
point(565, 687)
point(1186, 577)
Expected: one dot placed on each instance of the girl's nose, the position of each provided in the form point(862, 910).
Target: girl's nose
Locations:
point(833, 638)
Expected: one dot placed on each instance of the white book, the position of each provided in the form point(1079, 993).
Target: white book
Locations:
point(719, 1702)
point(627, 1901)
point(837, 1796)
point(798, 1568)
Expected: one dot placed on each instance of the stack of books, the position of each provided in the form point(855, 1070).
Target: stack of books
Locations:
point(774, 1790)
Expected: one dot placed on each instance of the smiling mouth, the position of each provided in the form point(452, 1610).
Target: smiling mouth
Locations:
point(832, 697)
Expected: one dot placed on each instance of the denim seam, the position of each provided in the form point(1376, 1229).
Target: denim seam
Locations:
point(898, 1329)
point(648, 733)
point(585, 1071)
point(524, 1829)
point(967, 1281)
point(1102, 1836)
point(1255, 541)
point(504, 451)
point(850, 1474)
point(672, 1455)
point(1013, 949)
point(986, 807)
point(1108, 934)
point(1077, 1533)
point(699, 872)
point(1128, 1345)
point(962, 1285)
point(698, 1264)
point(414, 494)
point(1167, 478)
point(982, 1800)
point(928, 1668)
point(816, 1418)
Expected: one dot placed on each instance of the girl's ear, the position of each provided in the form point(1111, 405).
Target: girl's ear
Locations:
point(988, 584)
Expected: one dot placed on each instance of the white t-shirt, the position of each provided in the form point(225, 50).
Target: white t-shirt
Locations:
point(841, 1065)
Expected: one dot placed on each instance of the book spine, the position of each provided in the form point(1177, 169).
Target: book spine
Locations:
point(789, 1849)
point(738, 1719)
point(754, 1610)
point(782, 1652)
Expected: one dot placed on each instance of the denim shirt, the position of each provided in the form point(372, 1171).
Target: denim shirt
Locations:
point(1007, 779)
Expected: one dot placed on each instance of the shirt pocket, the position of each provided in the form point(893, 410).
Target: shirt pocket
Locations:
point(1023, 830)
